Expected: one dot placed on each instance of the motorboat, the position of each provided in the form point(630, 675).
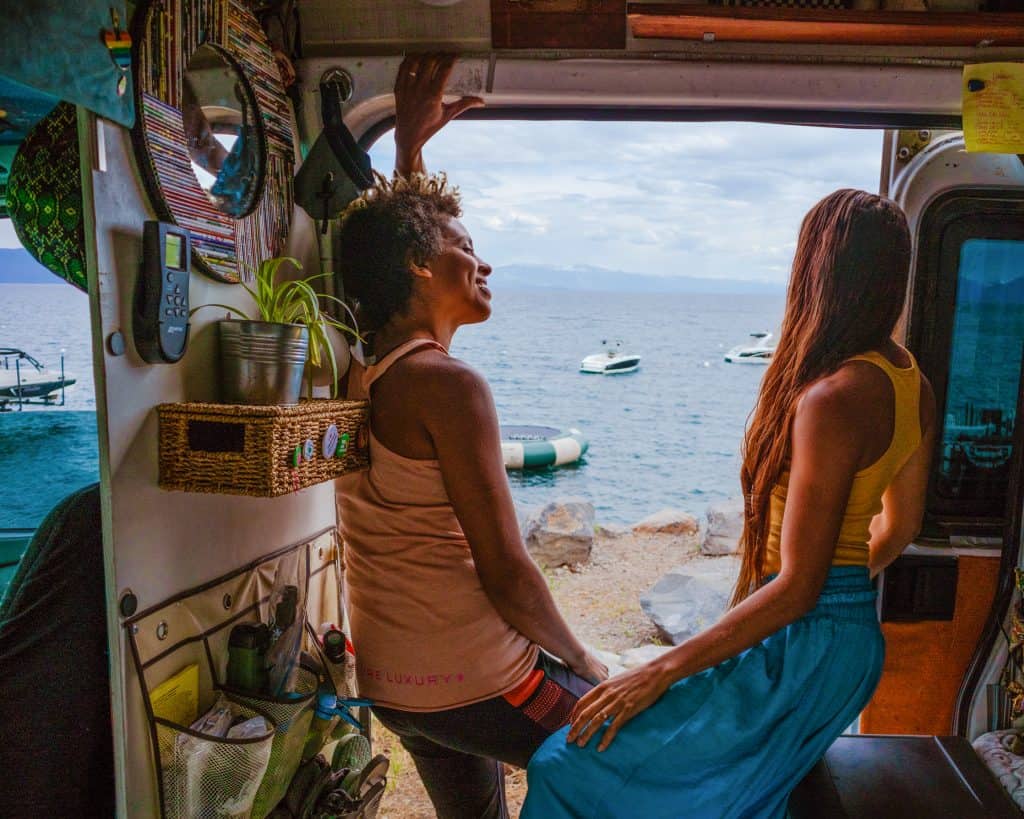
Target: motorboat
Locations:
point(23, 378)
point(757, 352)
point(612, 361)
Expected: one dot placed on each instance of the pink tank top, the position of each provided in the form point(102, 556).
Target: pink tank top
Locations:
point(426, 636)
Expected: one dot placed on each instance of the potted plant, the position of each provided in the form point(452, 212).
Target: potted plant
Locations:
point(263, 358)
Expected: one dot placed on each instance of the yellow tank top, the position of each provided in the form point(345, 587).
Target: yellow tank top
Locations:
point(868, 484)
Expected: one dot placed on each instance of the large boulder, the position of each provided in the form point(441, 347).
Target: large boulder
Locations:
point(561, 533)
point(690, 598)
point(668, 522)
point(723, 528)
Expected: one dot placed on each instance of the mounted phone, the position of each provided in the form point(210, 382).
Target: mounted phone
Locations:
point(160, 325)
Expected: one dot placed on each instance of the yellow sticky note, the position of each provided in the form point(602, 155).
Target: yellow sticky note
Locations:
point(177, 699)
point(993, 107)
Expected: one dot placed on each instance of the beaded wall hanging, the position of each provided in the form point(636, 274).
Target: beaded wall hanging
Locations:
point(44, 195)
point(166, 35)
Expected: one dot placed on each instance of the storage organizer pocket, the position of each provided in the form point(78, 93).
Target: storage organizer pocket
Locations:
point(293, 718)
point(206, 776)
point(180, 650)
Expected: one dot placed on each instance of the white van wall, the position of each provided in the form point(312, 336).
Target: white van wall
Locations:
point(158, 543)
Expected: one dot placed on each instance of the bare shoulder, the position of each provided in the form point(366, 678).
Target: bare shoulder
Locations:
point(838, 395)
point(439, 390)
point(438, 372)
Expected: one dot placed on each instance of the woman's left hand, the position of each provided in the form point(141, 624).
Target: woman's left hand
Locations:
point(618, 699)
point(420, 111)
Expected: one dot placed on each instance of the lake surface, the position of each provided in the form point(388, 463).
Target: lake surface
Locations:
point(667, 435)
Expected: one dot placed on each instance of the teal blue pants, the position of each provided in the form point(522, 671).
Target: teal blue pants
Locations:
point(734, 740)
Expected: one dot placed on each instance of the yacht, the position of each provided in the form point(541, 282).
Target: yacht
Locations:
point(23, 378)
point(612, 361)
point(757, 352)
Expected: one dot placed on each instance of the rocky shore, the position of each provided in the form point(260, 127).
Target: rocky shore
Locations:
point(629, 592)
point(685, 599)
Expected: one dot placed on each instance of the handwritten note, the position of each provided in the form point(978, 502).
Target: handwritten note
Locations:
point(993, 107)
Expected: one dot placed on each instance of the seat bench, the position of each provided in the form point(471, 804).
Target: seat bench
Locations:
point(895, 777)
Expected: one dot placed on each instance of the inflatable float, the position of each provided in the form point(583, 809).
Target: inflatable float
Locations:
point(526, 447)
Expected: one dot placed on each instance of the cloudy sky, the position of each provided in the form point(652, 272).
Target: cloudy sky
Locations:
point(694, 199)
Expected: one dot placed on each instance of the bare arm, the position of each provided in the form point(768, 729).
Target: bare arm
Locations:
point(463, 425)
point(825, 452)
point(420, 111)
point(904, 500)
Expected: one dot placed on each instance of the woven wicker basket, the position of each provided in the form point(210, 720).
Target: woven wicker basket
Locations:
point(260, 451)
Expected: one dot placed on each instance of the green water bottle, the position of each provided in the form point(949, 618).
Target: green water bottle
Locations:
point(247, 657)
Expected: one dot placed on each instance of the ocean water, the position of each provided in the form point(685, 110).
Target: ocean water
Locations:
point(47, 452)
point(667, 435)
point(45, 320)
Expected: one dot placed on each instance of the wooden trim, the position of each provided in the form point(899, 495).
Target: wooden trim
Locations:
point(558, 24)
point(681, 22)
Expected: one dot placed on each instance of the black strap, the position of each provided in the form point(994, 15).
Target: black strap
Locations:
point(354, 160)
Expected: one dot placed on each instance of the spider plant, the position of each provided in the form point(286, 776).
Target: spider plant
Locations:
point(295, 301)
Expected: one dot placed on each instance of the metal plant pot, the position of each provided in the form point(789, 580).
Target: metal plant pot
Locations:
point(262, 362)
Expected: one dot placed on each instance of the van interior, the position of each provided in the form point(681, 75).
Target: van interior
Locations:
point(115, 124)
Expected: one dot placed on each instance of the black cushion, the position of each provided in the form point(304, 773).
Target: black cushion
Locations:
point(56, 751)
point(895, 777)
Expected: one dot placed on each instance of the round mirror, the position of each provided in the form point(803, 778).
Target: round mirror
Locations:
point(222, 131)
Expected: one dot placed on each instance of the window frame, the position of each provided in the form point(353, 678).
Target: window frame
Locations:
point(947, 222)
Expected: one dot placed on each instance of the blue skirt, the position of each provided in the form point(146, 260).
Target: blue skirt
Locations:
point(735, 739)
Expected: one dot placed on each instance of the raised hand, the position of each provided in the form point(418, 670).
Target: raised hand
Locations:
point(617, 700)
point(420, 111)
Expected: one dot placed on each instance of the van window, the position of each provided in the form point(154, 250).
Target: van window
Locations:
point(675, 239)
point(984, 372)
point(967, 327)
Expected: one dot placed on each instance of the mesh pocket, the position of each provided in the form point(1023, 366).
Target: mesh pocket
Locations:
point(293, 718)
point(208, 777)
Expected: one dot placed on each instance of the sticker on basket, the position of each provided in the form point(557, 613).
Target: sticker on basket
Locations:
point(344, 443)
point(309, 449)
point(296, 457)
point(330, 442)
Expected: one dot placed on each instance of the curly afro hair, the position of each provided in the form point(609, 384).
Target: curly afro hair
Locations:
point(396, 223)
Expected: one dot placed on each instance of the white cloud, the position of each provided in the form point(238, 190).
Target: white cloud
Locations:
point(519, 222)
point(698, 199)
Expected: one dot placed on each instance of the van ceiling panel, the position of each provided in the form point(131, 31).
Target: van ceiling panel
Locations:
point(389, 26)
point(657, 85)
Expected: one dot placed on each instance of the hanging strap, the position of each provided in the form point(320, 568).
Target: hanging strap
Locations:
point(375, 371)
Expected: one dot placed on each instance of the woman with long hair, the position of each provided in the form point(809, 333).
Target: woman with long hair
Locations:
point(449, 614)
point(835, 466)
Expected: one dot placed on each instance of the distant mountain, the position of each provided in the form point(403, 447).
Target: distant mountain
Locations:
point(18, 267)
point(601, 279)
